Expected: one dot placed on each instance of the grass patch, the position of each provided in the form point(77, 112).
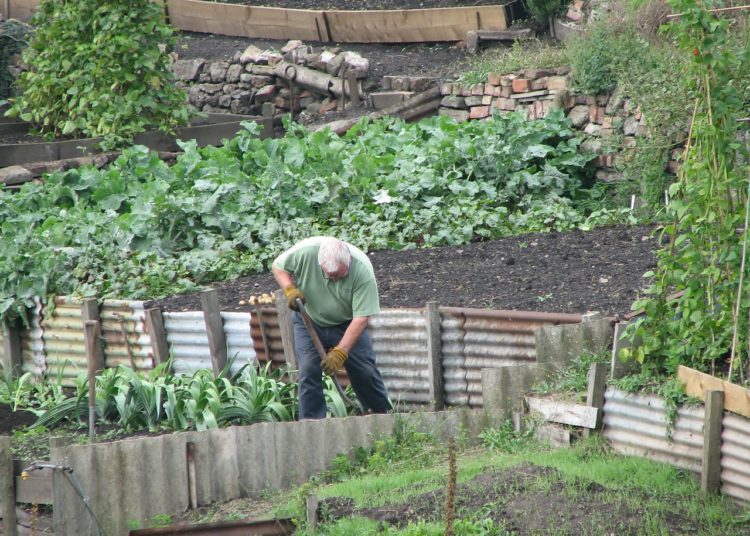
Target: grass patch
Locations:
point(520, 55)
point(624, 490)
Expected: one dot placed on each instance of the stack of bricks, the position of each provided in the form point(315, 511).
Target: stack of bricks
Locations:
point(611, 124)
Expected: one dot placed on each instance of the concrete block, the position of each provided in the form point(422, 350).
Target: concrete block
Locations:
point(454, 101)
point(503, 389)
point(385, 99)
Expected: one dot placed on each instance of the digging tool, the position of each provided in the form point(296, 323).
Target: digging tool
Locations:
point(322, 353)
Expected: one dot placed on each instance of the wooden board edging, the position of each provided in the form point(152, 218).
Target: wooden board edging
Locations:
point(377, 26)
point(564, 412)
point(736, 398)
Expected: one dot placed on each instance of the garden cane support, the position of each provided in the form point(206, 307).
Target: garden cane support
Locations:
point(322, 353)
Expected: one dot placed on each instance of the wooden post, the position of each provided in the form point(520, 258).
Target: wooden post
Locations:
point(351, 78)
point(287, 329)
point(191, 475)
point(711, 469)
point(7, 488)
point(312, 511)
point(13, 359)
point(91, 338)
point(217, 344)
point(434, 356)
point(90, 311)
point(595, 393)
point(267, 112)
point(155, 327)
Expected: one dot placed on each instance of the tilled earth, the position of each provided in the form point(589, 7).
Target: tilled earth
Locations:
point(575, 272)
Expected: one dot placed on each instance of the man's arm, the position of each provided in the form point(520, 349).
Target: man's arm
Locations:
point(352, 333)
point(284, 279)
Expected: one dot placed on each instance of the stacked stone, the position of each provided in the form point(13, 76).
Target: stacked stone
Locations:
point(243, 84)
point(607, 120)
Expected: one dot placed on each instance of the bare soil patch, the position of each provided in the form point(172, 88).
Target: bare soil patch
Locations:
point(10, 420)
point(525, 500)
point(574, 272)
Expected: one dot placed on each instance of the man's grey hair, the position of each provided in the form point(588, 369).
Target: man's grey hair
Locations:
point(333, 254)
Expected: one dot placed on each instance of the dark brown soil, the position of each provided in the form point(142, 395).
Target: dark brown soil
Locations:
point(524, 500)
point(600, 270)
point(11, 420)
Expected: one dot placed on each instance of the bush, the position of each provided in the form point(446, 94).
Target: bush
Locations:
point(96, 69)
point(592, 60)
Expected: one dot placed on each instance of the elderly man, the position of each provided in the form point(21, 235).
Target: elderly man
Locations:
point(337, 283)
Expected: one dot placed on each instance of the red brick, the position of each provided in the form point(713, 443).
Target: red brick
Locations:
point(520, 85)
point(493, 79)
point(479, 112)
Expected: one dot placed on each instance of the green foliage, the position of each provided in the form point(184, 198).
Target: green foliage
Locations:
point(705, 325)
point(592, 57)
point(543, 10)
point(143, 229)
point(506, 439)
point(199, 401)
point(572, 379)
point(96, 69)
point(520, 55)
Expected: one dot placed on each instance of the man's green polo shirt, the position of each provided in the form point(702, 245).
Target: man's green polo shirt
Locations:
point(329, 302)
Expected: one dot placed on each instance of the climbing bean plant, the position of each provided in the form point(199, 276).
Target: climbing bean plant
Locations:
point(696, 308)
point(96, 68)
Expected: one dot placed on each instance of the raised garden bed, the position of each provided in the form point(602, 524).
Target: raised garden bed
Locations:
point(210, 130)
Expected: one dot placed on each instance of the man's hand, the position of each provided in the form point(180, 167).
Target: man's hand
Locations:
point(334, 360)
point(292, 293)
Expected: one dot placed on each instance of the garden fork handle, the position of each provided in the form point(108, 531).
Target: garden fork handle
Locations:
point(322, 353)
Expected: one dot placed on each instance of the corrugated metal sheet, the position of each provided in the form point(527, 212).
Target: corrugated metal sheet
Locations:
point(637, 425)
point(735, 457)
point(188, 341)
point(62, 336)
point(270, 325)
point(474, 339)
point(399, 338)
point(124, 335)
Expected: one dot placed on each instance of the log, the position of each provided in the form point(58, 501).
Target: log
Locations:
point(310, 79)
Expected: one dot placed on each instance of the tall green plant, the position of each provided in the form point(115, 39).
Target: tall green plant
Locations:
point(96, 69)
point(705, 326)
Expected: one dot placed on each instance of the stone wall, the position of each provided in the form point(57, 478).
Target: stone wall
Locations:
point(249, 79)
point(612, 123)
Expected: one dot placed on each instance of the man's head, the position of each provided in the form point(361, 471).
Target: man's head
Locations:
point(334, 258)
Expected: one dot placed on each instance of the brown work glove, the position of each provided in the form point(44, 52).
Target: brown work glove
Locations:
point(334, 360)
point(292, 293)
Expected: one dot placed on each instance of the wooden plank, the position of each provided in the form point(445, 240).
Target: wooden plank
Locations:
point(286, 328)
point(12, 352)
point(736, 398)
point(564, 412)
point(413, 25)
point(711, 465)
point(36, 489)
point(7, 489)
point(247, 21)
point(217, 343)
point(434, 355)
point(21, 9)
point(90, 311)
point(155, 328)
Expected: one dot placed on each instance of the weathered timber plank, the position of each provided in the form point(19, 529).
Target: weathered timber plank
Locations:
point(247, 21)
point(413, 25)
point(564, 412)
point(36, 489)
point(736, 398)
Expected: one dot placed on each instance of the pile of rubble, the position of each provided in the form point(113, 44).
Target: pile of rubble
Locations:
point(297, 78)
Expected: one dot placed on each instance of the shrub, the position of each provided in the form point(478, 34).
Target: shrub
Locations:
point(592, 59)
point(96, 69)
